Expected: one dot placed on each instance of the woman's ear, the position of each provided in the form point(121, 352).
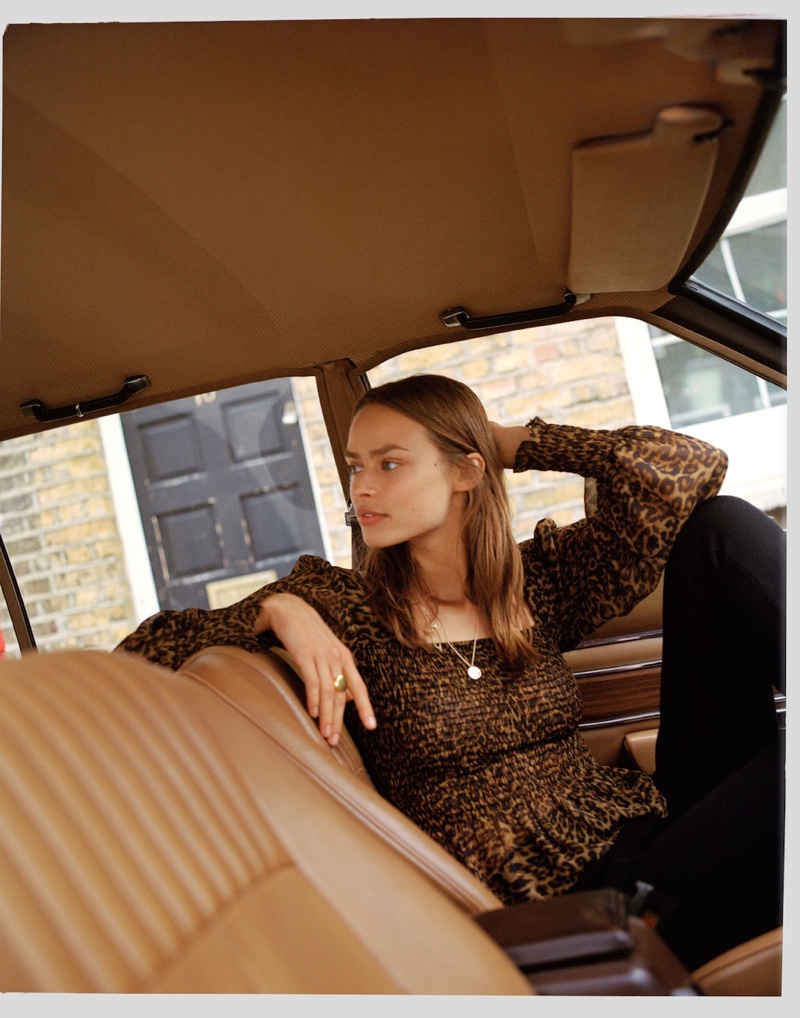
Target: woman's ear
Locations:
point(471, 472)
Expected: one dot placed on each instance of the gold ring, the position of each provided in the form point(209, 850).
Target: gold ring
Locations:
point(340, 683)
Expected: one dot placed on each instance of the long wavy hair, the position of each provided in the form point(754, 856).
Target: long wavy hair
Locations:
point(456, 422)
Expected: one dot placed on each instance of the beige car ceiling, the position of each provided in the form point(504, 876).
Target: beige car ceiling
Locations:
point(213, 203)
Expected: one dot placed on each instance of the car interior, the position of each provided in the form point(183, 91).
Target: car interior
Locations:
point(259, 220)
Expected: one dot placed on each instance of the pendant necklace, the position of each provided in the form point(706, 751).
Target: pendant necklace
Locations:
point(473, 671)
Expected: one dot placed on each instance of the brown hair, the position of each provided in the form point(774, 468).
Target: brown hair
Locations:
point(456, 422)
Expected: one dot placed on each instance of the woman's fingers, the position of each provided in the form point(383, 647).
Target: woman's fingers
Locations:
point(363, 705)
point(334, 690)
point(331, 719)
point(325, 664)
point(331, 679)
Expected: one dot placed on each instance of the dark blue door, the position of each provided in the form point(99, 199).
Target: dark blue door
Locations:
point(224, 492)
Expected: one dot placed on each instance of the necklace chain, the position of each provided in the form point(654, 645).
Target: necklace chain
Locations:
point(473, 671)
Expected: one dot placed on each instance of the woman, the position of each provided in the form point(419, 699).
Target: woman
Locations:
point(443, 652)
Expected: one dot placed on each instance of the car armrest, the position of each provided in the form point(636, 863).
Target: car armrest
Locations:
point(586, 943)
point(641, 748)
point(538, 934)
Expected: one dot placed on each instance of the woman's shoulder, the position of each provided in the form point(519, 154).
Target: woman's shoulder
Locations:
point(314, 567)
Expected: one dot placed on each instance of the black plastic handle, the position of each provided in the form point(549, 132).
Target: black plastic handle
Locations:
point(454, 317)
point(35, 407)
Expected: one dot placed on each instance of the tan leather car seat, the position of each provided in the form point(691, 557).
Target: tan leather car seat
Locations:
point(153, 840)
point(267, 690)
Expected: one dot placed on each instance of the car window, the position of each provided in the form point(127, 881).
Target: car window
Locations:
point(749, 262)
point(91, 556)
point(193, 503)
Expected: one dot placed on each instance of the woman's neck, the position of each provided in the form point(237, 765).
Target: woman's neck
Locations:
point(443, 579)
point(442, 573)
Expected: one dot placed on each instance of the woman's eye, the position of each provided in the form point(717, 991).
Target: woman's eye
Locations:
point(390, 464)
point(353, 468)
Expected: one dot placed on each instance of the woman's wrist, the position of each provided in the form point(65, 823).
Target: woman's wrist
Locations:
point(508, 440)
point(265, 618)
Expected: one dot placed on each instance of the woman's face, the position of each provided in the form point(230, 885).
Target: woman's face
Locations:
point(402, 486)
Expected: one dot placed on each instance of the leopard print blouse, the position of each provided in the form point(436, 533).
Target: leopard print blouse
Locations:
point(495, 769)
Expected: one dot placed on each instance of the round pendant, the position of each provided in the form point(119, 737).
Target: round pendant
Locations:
point(474, 672)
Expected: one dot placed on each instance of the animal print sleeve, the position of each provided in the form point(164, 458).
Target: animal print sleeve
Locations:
point(170, 637)
point(646, 482)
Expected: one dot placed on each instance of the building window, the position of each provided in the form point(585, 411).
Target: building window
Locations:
point(700, 387)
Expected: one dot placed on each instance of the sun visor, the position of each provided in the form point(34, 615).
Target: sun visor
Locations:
point(636, 201)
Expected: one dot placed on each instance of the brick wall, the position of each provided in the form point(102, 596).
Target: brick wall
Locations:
point(60, 530)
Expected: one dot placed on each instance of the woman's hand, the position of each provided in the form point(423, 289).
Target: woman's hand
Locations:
point(508, 440)
point(320, 658)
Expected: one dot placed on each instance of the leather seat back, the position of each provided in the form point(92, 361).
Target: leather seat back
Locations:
point(267, 690)
point(154, 840)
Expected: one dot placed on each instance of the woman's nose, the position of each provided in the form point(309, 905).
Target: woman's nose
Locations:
point(361, 484)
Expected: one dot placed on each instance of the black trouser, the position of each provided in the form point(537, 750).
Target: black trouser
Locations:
point(720, 755)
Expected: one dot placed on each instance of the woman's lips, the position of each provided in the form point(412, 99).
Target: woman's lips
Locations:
point(368, 519)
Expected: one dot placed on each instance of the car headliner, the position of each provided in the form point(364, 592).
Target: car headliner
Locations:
point(215, 203)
